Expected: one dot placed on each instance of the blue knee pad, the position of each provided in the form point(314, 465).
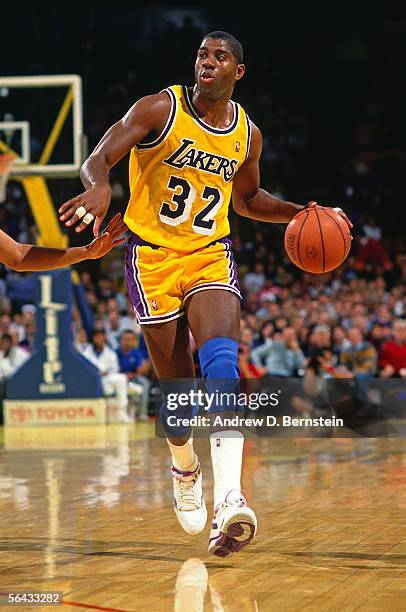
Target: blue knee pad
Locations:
point(172, 406)
point(221, 374)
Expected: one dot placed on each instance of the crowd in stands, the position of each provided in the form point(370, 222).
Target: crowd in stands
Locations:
point(350, 323)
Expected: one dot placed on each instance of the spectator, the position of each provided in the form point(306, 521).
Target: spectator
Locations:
point(266, 332)
point(282, 356)
point(12, 358)
point(245, 364)
point(142, 347)
point(106, 361)
point(361, 357)
point(371, 230)
point(27, 343)
point(113, 327)
point(340, 340)
point(135, 367)
point(393, 354)
point(247, 336)
point(81, 341)
point(255, 280)
point(377, 336)
point(321, 360)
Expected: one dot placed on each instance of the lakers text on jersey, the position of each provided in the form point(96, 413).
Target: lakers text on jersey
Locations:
point(181, 182)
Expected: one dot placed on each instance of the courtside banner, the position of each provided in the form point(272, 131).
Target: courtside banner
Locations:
point(51, 412)
point(56, 372)
point(282, 407)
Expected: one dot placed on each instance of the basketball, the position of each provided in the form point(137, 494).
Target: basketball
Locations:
point(317, 240)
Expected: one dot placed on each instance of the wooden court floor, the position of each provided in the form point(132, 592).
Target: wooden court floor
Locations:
point(87, 511)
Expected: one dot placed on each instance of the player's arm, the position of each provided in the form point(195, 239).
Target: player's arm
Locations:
point(147, 115)
point(249, 200)
point(30, 258)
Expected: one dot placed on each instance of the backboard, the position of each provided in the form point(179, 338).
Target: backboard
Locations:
point(41, 123)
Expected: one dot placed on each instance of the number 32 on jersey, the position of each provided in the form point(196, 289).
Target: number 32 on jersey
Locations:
point(180, 206)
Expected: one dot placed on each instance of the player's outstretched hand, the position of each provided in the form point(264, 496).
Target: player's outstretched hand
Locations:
point(89, 205)
point(338, 210)
point(111, 237)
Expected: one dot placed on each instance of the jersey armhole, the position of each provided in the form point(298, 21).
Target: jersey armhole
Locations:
point(248, 136)
point(142, 146)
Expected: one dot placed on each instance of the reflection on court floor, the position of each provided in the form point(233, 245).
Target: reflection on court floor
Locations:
point(88, 511)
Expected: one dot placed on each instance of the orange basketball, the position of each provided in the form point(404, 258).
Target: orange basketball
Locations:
point(317, 240)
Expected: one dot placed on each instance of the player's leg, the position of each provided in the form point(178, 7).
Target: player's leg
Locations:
point(216, 335)
point(170, 352)
point(169, 348)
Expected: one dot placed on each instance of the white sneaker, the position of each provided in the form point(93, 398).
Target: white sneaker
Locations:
point(234, 525)
point(189, 505)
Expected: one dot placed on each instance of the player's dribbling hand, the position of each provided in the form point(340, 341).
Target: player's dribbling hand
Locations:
point(95, 201)
point(338, 210)
point(111, 237)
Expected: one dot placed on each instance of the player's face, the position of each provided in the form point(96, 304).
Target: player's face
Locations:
point(216, 69)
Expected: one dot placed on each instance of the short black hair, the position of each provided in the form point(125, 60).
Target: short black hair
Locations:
point(98, 330)
point(235, 45)
point(128, 331)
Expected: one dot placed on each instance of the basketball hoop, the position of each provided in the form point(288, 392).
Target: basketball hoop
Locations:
point(6, 161)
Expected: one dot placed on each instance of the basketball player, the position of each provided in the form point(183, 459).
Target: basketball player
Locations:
point(191, 150)
point(30, 258)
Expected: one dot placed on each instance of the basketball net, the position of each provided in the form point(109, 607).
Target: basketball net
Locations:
point(6, 161)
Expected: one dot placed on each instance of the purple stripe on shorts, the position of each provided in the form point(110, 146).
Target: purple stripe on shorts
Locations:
point(159, 318)
point(233, 266)
point(204, 286)
point(227, 252)
point(134, 286)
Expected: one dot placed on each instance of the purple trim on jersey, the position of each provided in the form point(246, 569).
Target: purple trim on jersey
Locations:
point(248, 135)
point(174, 106)
point(203, 124)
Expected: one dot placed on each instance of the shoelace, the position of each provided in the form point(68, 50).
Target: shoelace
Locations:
point(187, 498)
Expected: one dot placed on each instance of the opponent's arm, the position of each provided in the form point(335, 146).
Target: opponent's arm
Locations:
point(147, 115)
point(249, 200)
point(30, 258)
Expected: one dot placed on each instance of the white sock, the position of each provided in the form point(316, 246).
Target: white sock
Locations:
point(184, 457)
point(226, 457)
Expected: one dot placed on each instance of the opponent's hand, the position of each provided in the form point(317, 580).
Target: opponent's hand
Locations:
point(94, 203)
point(338, 210)
point(108, 239)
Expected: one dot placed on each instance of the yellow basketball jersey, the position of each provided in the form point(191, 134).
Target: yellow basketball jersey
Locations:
point(181, 182)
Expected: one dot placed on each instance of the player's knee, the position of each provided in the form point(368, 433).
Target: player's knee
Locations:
point(219, 365)
point(178, 406)
point(219, 358)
